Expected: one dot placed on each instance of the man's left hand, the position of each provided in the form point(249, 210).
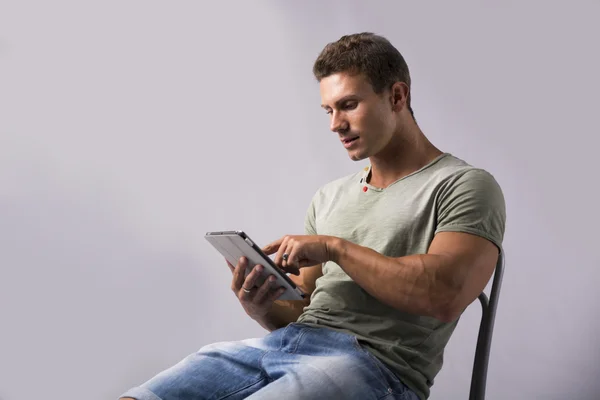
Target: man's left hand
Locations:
point(299, 251)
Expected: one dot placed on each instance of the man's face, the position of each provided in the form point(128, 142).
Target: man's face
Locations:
point(363, 119)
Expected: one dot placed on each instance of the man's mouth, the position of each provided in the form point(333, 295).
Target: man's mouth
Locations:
point(350, 142)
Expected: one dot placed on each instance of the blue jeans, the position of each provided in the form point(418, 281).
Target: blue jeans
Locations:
point(295, 362)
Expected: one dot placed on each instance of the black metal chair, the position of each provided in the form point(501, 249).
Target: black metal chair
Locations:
point(484, 340)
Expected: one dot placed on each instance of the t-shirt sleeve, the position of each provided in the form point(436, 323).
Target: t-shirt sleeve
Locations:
point(310, 224)
point(473, 202)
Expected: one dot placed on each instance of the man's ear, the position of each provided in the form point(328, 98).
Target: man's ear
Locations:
point(399, 95)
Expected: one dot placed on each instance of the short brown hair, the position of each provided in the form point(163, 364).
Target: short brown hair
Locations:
point(368, 54)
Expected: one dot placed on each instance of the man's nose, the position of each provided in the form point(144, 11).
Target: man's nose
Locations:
point(338, 124)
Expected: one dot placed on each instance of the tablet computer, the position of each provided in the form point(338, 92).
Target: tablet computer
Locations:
point(236, 244)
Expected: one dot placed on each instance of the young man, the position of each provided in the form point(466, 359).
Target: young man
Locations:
point(391, 257)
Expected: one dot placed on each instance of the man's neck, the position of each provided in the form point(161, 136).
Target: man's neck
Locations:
point(405, 154)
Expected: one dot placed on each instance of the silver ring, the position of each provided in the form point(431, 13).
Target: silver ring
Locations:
point(245, 290)
point(285, 256)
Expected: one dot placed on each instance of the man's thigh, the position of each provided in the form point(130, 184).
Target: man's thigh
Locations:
point(317, 363)
point(222, 370)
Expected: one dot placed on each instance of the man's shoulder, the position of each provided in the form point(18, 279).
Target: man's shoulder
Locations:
point(451, 168)
point(455, 169)
point(450, 164)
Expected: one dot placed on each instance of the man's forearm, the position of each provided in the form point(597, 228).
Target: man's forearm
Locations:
point(282, 313)
point(417, 284)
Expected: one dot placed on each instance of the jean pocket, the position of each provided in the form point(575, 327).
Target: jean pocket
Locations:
point(393, 384)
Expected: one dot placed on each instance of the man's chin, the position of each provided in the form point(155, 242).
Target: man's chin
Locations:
point(356, 155)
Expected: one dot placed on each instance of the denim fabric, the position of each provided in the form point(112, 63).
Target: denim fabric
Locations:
point(295, 362)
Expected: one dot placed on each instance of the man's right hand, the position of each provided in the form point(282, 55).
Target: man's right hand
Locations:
point(256, 301)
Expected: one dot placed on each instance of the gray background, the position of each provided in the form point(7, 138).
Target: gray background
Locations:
point(130, 128)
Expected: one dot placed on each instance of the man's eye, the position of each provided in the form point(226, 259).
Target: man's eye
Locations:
point(351, 105)
point(328, 111)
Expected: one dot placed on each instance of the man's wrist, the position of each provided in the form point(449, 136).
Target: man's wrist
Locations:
point(335, 248)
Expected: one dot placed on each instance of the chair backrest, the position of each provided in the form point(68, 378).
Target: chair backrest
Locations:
point(484, 340)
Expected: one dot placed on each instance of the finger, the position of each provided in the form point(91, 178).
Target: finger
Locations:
point(264, 289)
point(238, 274)
point(293, 252)
point(294, 262)
point(287, 262)
point(250, 282)
point(272, 247)
point(281, 251)
point(275, 294)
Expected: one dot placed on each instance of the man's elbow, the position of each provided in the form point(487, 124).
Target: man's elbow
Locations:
point(447, 315)
point(447, 309)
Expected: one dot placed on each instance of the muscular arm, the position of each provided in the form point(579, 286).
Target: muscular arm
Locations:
point(284, 312)
point(441, 283)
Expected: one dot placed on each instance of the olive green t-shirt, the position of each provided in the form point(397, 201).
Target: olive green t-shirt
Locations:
point(446, 195)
